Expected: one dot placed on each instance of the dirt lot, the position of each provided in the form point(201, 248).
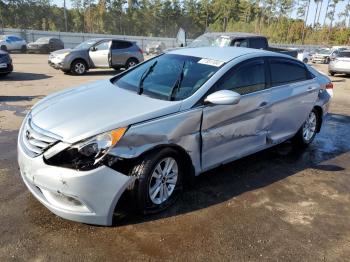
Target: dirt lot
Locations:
point(275, 205)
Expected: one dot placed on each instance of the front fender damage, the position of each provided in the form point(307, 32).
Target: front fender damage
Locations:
point(181, 129)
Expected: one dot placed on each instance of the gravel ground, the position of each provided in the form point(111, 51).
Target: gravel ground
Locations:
point(275, 205)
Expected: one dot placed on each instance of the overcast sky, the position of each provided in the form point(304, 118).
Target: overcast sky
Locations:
point(340, 8)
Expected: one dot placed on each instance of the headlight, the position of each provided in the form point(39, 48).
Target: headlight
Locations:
point(89, 153)
point(62, 56)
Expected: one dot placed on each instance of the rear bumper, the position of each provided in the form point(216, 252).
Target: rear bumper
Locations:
point(320, 59)
point(82, 196)
point(335, 69)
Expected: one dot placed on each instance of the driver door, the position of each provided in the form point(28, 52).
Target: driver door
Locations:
point(100, 53)
point(232, 131)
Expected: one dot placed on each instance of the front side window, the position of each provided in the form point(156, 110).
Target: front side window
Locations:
point(169, 76)
point(241, 43)
point(246, 78)
point(284, 71)
point(102, 46)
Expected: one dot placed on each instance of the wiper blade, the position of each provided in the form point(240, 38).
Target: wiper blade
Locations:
point(144, 76)
point(177, 84)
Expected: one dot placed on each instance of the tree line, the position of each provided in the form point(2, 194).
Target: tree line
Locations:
point(283, 21)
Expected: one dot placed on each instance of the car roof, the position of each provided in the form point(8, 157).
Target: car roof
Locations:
point(224, 54)
point(108, 38)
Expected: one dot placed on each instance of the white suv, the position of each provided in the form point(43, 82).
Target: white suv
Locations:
point(12, 43)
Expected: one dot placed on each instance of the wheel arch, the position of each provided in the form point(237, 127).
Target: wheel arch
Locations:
point(319, 111)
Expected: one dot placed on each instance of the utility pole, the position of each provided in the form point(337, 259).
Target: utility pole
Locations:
point(65, 15)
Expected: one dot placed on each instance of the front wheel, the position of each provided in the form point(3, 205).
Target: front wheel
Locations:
point(158, 181)
point(331, 73)
point(307, 132)
point(78, 67)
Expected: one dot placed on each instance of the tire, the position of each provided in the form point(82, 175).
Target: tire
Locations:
point(131, 62)
point(23, 49)
point(4, 48)
point(146, 172)
point(305, 60)
point(116, 68)
point(327, 60)
point(331, 73)
point(78, 67)
point(308, 130)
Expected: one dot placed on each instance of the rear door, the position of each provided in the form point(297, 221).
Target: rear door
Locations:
point(99, 55)
point(293, 95)
point(232, 131)
point(121, 51)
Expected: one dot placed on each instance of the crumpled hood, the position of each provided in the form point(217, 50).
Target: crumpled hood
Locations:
point(100, 106)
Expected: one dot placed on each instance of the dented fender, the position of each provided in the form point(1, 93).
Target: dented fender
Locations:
point(182, 129)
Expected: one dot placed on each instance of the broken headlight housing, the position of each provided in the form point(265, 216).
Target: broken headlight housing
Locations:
point(88, 154)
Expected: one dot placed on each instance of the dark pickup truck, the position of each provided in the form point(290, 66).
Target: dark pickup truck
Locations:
point(238, 39)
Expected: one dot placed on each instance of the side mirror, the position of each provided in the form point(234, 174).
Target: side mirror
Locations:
point(93, 49)
point(223, 97)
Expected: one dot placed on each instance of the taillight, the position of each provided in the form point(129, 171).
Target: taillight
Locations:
point(329, 85)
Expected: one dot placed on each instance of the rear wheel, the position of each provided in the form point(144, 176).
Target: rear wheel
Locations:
point(131, 62)
point(307, 132)
point(331, 73)
point(305, 60)
point(78, 67)
point(3, 48)
point(158, 181)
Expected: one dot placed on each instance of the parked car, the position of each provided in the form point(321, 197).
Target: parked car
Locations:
point(12, 43)
point(340, 64)
point(6, 66)
point(322, 56)
point(238, 39)
point(148, 130)
point(156, 47)
point(45, 45)
point(303, 55)
point(97, 53)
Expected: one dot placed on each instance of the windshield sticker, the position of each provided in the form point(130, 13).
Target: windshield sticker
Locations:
point(211, 62)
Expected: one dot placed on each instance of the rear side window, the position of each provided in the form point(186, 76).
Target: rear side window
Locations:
point(344, 54)
point(258, 43)
point(284, 71)
point(121, 44)
point(245, 78)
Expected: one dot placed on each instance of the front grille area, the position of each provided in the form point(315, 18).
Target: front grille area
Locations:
point(37, 140)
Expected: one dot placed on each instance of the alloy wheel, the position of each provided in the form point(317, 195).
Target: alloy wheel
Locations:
point(309, 127)
point(163, 180)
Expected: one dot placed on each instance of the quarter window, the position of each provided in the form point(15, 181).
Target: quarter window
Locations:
point(246, 78)
point(284, 71)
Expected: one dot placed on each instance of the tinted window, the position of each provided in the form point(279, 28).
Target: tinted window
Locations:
point(240, 43)
point(257, 43)
point(246, 78)
point(285, 71)
point(121, 44)
point(344, 54)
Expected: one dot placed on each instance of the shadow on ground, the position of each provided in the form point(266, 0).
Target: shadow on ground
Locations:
point(257, 171)
point(20, 76)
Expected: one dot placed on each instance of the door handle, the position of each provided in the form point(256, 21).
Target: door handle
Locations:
point(262, 105)
point(311, 88)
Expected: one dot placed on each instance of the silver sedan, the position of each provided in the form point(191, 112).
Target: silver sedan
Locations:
point(146, 132)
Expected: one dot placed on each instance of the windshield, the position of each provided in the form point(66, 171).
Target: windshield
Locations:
point(324, 51)
point(43, 40)
point(162, 80)
point(211, 40)
point(85, 45)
